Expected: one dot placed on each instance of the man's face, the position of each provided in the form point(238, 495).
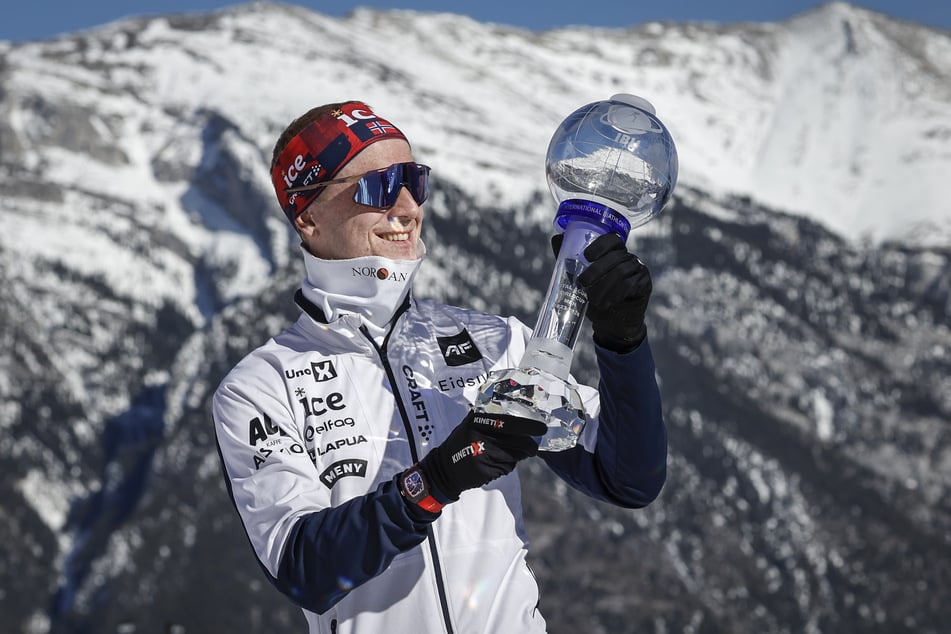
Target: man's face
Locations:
point(335, 228)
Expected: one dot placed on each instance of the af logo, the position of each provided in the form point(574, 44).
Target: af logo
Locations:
point(459, 349)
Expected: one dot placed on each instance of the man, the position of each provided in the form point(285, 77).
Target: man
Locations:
point(371, 495)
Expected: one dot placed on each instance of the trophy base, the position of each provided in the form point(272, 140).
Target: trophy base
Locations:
point(536, 394)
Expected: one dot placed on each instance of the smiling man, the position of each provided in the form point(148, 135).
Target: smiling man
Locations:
point(371, 494)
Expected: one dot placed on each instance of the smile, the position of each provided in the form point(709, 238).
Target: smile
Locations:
point(395, 237)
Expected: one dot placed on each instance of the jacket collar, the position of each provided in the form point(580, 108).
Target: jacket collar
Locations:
point(367, 291)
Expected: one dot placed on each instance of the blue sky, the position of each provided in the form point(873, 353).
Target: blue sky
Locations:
point(38, 19)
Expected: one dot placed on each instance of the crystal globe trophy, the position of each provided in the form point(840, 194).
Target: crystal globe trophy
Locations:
point(611, 166)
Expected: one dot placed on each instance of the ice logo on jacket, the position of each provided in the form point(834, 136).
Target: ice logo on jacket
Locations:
point(459, 349)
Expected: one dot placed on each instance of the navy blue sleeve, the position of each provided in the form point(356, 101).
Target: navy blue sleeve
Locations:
point(332, 551)
point(629, 465)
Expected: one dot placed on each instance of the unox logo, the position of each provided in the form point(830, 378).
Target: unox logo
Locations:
point(459, 349)
point(320, 370)
point(323, 370)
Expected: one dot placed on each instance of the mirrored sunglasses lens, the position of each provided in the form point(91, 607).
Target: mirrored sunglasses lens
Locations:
point(381, 188)
point(417, 180)
point(369, 190)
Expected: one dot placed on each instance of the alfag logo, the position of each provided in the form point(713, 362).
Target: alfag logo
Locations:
point(472, 449)
point(381, 273)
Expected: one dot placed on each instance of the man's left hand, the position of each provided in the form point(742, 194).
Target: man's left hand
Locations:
point(619, 287)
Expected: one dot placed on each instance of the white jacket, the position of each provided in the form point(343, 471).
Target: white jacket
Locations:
point(313, 427)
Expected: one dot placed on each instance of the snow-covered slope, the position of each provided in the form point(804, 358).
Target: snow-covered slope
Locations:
point(840, 114)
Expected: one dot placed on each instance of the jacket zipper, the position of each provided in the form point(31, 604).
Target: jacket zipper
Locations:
point(414, 453)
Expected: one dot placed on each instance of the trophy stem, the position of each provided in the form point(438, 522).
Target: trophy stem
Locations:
point(541, 387)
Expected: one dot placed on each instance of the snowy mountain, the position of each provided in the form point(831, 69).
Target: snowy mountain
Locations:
point(800, 316)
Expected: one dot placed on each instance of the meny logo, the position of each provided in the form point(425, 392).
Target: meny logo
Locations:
point(342, 469)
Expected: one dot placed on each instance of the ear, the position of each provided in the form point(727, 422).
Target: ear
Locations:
point(305, 225)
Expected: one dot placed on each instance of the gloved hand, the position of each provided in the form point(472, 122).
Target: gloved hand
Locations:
point(618, 286)
point(480, 449)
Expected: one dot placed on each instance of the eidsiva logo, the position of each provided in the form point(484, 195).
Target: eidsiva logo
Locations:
point(459, 349)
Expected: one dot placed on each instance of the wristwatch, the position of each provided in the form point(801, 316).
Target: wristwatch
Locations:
point(414, 489)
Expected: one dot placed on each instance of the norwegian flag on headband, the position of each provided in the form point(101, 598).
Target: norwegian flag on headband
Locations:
point(380, 127)
point(321, 149)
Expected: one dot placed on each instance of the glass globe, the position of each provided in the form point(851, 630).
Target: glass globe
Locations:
point(615, 153)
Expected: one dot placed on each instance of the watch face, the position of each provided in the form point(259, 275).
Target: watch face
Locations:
point(414, 485)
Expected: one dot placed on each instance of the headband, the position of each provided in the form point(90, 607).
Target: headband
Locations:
point(321, 149)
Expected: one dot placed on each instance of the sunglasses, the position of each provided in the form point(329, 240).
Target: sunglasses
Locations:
point(381, 188)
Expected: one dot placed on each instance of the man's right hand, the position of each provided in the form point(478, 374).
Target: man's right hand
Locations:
point(480, 449)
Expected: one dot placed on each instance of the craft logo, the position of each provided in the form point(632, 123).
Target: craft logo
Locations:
point(343, 468)
point(459, 349)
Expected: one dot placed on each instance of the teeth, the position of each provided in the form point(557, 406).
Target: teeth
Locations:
point(395, 237)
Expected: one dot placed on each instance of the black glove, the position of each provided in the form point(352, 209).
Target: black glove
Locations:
point(618, 286)
point(480, 449)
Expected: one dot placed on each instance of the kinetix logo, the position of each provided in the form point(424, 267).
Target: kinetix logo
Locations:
point(476, 448)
